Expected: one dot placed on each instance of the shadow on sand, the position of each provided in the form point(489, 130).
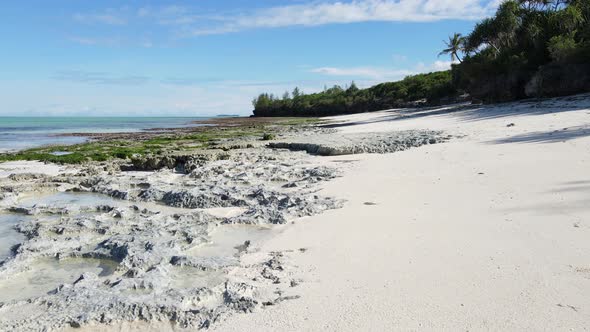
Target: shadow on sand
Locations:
point(407, 114)
point(467, 112)
point(529, 107)
point(554, 136)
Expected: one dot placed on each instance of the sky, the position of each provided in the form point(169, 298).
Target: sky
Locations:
point(210, 57)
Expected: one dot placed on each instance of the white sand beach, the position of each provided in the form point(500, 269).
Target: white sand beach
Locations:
point(23, 167)
point(486, 232)
point(295, 165)
point(460, 218)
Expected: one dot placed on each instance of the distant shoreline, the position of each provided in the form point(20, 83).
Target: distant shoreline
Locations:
point(21, 133)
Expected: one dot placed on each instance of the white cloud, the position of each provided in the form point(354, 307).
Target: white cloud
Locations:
point(80, 76)
point(442, 65)
point(113, 42)
point(188, 21)
point(109, 19)
point(380, 74)
point(363, 72)
point(436, 66)
point(91, 41)
point(314, 14)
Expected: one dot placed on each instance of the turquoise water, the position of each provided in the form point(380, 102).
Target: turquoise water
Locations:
point(18, 133)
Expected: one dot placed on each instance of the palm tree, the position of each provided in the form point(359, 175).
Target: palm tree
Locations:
point(454, 46)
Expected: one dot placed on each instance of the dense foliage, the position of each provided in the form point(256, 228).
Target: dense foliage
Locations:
point(424, 88)
point(526, 38)
point(528, 48)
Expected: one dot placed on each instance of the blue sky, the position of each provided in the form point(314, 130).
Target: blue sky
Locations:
point(206, 57)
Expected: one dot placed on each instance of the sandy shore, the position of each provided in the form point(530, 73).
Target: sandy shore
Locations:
point(487, 232)
point(23, 167)
point(170, 239)
point(442, 219)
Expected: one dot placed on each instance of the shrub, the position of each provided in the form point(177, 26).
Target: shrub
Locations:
point(431, 87)
point(268, 137)
point(563, 48)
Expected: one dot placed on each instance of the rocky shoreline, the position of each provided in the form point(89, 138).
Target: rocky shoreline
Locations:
point(150, 220)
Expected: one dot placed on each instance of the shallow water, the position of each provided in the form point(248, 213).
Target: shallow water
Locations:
point(26, 132)
point(68, 199)
point(8, 236)
point(228, 240)
point(60, 153)
point(71, 200)
point(190, 277)
point(46, 275)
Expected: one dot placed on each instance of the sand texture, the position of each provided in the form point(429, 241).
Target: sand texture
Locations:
point(489, 231)
point(451, 218)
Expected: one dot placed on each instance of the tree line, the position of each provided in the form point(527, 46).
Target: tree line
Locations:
point(529, 48)
point(423, 88)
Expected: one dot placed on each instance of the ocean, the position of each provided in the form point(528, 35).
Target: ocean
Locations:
point(17, 133)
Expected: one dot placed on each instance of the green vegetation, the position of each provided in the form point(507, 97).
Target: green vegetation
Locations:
point(210, 137)
point(454, 46)
point(427, 88)
point(268, 137)
point(526, 39)
point(76, 154)
point(125, 149)
point(528, 48)
point(308, 121)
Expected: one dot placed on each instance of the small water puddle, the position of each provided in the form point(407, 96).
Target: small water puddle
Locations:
point(226, 243)
point(68, 199)
point(190, 277)
point(60, 153)
point(47, 274)
point(229, 240)
point(85, 200)
point(8, 236)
